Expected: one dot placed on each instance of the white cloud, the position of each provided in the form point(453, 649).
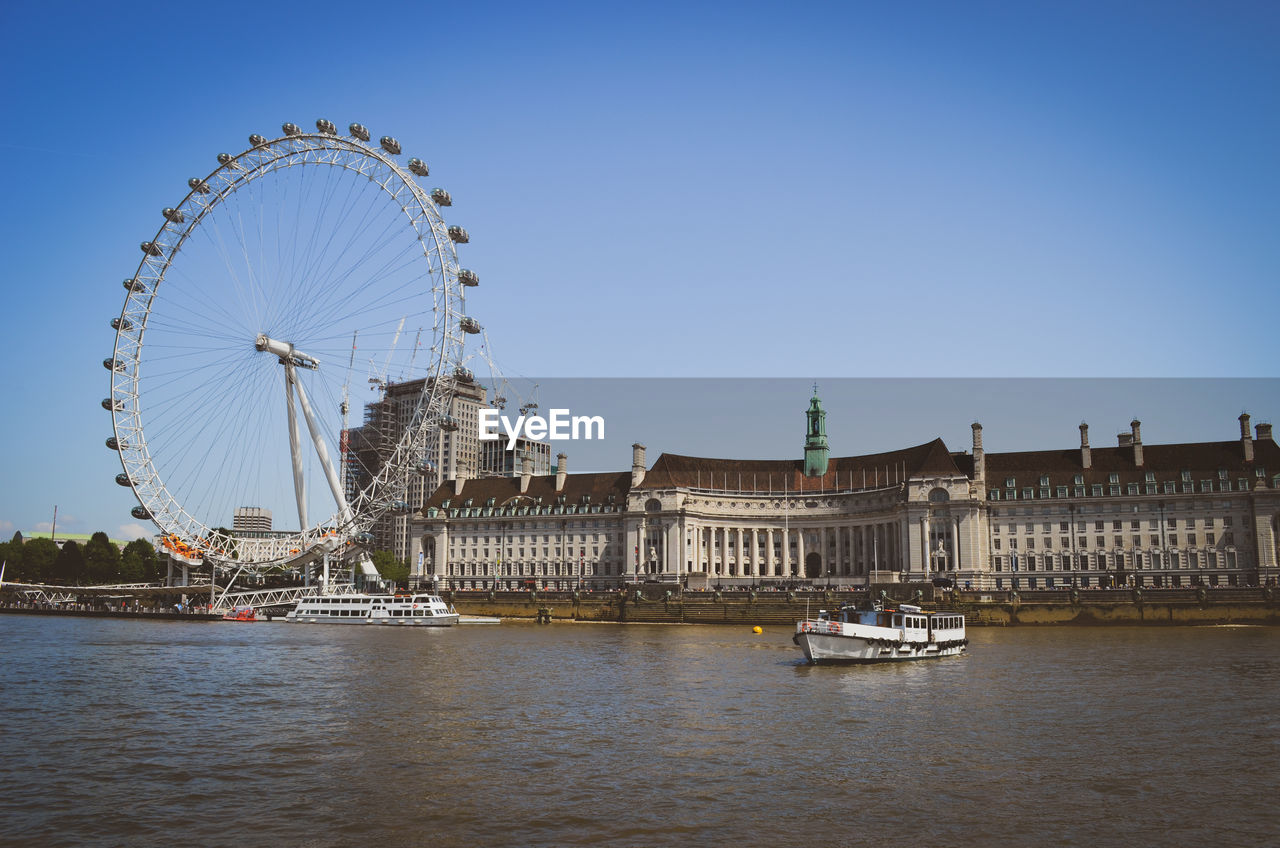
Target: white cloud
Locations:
point(6, 526)
point(129, 532)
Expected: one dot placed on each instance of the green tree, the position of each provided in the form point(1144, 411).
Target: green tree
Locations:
point(389, 567)
point(68, 565)
point(38, 557)
point(144, 554)
point(101, 559)
point(11, 556)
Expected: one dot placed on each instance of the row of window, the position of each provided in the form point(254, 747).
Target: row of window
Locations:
point(540, 569)
point(1149, 477)
point(1106, 562)
point(1104, 581)
point(1118, 524)
point(1130, 489)
point(1228, 538)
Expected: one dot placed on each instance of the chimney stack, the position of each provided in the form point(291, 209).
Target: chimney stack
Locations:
point(637, 464)
point(1086, 454)
point(1264, 433)
point(1136, 426)
point(526, 471)
point(1246, 439)
point(979, 456)
point(561, 471)
point(458, 482)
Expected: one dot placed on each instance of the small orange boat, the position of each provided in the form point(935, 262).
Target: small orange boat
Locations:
point(240, 614)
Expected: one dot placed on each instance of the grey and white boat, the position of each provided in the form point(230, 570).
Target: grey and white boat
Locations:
point(356, 608)
point(880, 633)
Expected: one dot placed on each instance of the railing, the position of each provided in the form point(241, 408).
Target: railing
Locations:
point(276, 597)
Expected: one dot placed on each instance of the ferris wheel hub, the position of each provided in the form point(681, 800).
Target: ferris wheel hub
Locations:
point(286, 351)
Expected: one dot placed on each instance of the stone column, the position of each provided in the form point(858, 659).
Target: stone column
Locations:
point(955, 554)
point(839, 569)
point(824, 552)
point(768, 551)
point(673, 548)
point(800, 551)
point(786, 552)
point(755, 552)
point(924, 544)
point(742, 557)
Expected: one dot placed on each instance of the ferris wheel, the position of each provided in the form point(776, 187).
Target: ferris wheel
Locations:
point(277, 299)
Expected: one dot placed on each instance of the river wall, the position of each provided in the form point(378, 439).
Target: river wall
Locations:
point(661, 605)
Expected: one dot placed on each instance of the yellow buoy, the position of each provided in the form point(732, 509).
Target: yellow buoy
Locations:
point(757, 629)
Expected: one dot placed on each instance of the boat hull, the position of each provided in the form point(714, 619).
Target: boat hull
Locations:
point(431, 621)
point(826, 647)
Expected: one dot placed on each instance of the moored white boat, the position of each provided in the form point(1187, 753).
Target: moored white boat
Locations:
point(395, 610)
point(881, 634)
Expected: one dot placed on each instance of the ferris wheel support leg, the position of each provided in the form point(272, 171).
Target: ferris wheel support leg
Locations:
point(322, 452)
point(295, 449)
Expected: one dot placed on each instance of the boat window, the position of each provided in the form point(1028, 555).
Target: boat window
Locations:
point(897, 621)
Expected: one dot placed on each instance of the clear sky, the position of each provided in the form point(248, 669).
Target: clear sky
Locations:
point(751, 190)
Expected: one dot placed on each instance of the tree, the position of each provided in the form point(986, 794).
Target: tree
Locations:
point(389, 567)
point(68, 565)
point(11, 556)
point(101, 559)
point(38, 557)
point(144, 554)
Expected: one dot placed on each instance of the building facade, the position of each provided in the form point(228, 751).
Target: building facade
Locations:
point(496, 460)
point(251, 519)
point(454, 453)
point(1131, 515)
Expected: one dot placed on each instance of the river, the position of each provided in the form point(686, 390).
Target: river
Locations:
point(162, 733)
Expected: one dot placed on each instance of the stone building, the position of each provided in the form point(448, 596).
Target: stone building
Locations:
point(1135, 514)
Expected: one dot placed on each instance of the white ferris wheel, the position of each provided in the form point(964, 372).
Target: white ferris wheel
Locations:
point(287, 284)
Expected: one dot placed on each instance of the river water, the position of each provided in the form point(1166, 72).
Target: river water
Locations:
point(136, 732)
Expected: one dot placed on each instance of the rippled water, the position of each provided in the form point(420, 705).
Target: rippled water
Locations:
point(136, 732)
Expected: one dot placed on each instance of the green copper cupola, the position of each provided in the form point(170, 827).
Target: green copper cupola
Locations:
point(816, 449)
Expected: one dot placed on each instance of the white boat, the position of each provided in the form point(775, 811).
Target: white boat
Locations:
point(395, 610)
point(880, 634)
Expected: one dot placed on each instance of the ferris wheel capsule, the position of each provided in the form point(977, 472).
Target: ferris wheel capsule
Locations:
point(112, 405)
point(326, 127)
point(390, 145)
point(135, 285)
point(122, 479)
point(113, 444)
point(440, 197)
point(468, 277)
point(113, 364)
point(121, 324)
point(173, 215)
point(469, 325)
point(463, 375)
point(141, 513)
point(420, 168)
point(359, 131)
point(256, 140)
point(459, 235)
point(291, 130)
point(198, 185)
point(151, 248)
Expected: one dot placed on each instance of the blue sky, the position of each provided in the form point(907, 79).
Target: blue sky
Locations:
point(751, 190)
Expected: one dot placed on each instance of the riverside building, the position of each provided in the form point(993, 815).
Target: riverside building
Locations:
point(1204, 513)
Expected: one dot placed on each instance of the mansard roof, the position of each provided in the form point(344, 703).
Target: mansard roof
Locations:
point(1203, 459)
point(597, 486)
point(773, 475)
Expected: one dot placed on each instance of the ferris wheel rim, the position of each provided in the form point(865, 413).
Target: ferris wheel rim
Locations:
point(263, 158)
